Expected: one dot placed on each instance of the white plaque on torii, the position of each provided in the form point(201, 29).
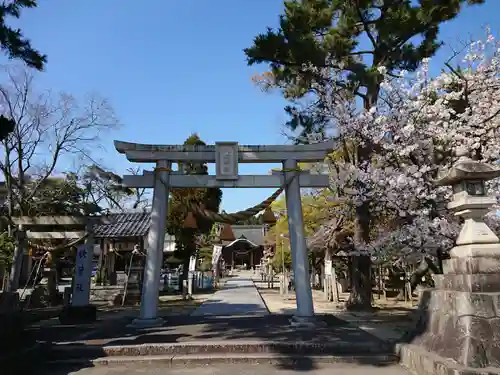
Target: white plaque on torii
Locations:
point(226, 160)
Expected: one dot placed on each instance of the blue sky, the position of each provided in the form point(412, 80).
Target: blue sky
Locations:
point(174, 67)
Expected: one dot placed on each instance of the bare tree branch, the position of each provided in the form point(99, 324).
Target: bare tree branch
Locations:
point(48, 128)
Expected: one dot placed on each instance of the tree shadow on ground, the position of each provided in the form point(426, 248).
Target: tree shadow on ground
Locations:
point(336, 339)
point(235, 323)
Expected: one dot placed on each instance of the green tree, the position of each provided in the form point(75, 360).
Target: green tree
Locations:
point(329, 33)
point(282, 256)
point(329, 36)
point(16, 47)
point(6, 250)
point(12, 40)
point(58, 196)
point(186, 238)
point(104, 188)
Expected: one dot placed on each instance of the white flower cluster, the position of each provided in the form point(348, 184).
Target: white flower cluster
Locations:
point(411, 133)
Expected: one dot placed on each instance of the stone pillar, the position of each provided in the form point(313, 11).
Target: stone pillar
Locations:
point(84, 297)
point(305, 309)
point(80, 310)
point(156, 237)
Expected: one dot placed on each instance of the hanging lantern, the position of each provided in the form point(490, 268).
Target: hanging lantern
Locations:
point(226, 233)
point(190, 221)
point(268, 216)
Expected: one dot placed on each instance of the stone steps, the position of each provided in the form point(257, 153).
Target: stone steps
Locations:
point(172, 360)
point(219, 352)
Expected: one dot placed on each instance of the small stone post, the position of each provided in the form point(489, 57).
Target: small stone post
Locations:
point(459, 327)
point(80, 310)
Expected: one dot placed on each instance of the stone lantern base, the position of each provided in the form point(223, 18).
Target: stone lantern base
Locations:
point(459, 323)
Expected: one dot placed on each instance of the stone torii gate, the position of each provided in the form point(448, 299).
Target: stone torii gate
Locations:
point(226, 156)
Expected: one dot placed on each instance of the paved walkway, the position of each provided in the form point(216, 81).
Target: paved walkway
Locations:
point(239, 296)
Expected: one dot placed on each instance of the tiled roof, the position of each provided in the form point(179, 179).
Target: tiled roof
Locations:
point(124, 225)
point(253, 233)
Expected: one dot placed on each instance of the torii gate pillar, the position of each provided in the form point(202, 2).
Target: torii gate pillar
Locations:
point(154, 256)
point(298, 246)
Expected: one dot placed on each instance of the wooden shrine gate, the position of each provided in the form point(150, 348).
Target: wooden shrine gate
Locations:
point(226, 156)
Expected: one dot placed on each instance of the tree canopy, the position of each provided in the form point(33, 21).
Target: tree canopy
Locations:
point(13, 41)
point(16, 46)
point(349, 40)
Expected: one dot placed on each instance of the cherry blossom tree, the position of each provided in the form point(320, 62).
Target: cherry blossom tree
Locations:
point(413, 130)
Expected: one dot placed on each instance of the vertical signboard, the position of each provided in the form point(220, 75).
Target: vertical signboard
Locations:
point(217, 251)
point(83, 273)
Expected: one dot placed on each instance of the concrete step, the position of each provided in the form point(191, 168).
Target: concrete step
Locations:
point(228, 358)
point(93, 351)
point(226, 368)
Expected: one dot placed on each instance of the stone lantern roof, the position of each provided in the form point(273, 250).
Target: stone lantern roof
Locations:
point(467, 169)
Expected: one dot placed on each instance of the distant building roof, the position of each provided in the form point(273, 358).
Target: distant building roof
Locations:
point(253, 233)
point(127, 224)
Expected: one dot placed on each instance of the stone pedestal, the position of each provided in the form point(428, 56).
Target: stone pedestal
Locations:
point(459, 327)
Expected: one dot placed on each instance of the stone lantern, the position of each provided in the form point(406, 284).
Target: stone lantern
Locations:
point(459, 326)
point(467, 178)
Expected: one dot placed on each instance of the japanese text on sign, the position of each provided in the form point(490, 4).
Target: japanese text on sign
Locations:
point(82, 253)
point(227, 163)
point(227, 160)
point(81, 270)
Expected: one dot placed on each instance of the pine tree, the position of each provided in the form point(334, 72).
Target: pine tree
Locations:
point(16, 47)
point(185, 238)
point(12, 40)
point(329, 34)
